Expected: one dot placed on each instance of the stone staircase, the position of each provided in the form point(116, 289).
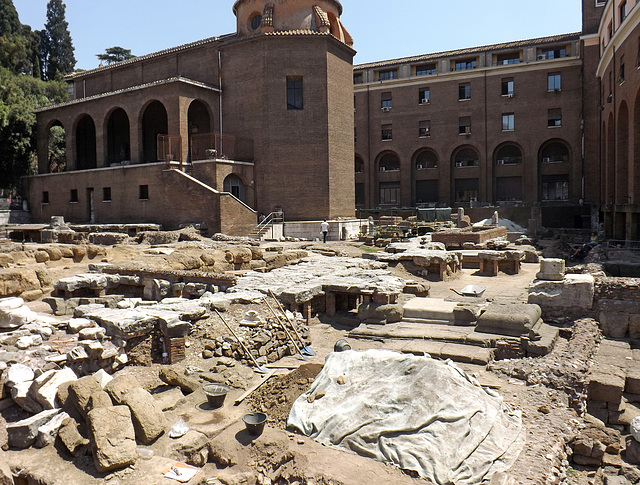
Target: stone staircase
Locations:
point(460, 332)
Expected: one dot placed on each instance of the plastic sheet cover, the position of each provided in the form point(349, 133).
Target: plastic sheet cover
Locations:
point(416, 412)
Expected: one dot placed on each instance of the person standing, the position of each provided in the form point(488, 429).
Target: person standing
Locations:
point(325, 230)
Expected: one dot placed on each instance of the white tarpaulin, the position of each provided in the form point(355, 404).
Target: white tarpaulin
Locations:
point(419, 413)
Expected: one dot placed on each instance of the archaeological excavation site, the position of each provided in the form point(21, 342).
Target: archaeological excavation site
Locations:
point(419, 352)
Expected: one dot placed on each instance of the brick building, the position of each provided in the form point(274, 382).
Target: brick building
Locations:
point(494, 124)
point(211, 132)
point(616, 98)
point(546, 123)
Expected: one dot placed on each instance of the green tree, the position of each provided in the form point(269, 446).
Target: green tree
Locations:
point(57, 54)
point(115, 54)
point(19, 96)
point(9, 21)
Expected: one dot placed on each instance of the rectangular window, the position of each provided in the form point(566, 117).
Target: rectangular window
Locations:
point(466, 190)
point(466, 64)
point(555, 187)
point(555, 117)
point(388, 75)
point(554, 82)
point(144, 192)
point(426, 70)
point(294, 92)
point(385, 101)
point(610, 30)
point(73, 196)
point(464, 91)
point(424, 129)
point(621, 73)
point(389, 193)
point(601, 3)
point(357, 78)
point(360, 194)
point(508, 85)
point(464, 125)
point(623, 11)
point(553, 53)
point(387, 133)
point(424, 96)
point(508, 122)
point(509, 58)
point(45, 197)
point(106, 194)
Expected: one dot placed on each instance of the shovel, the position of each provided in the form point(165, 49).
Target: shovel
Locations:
point(306, 350)
point(259, 368)
point(302, 356)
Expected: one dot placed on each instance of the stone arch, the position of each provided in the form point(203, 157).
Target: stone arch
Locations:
point(201, 136)
point(118, 146)
point(465, 183)
point(56, 147)
point(234, 185)
point(85, 131)
point(155, 122)
point(622, 155)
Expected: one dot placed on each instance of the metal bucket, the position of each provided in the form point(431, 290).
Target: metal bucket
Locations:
point(216, 394)
point(254, 422)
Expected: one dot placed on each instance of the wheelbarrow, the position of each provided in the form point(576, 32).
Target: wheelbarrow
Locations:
point(471, 290)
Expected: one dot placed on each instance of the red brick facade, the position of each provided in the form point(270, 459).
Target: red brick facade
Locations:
point(263, 114)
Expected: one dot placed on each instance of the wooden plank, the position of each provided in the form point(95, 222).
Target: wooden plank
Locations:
point(253, 388)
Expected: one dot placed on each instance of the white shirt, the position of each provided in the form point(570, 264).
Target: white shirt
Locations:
point(325, 227)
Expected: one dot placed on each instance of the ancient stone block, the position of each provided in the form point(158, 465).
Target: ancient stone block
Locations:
point(551, 269)
point(606, 383)
point(113, 438)
point(22, 434)
point(68, 433)
point(80, 393)
point(48, 432)
point(45, 388)
point(574, 293)
point(510, 319)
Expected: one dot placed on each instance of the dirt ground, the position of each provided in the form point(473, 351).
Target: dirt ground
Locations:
point(548, 406)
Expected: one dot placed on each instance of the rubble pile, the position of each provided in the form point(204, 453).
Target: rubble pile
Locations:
point(267, 343)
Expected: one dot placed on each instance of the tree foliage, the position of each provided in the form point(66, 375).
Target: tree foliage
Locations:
point(57, 54)
point(115, 54)
point(19, 96)
point(9, 21)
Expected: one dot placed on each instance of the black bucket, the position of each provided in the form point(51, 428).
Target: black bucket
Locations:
point(216, 393)
point(254, 422)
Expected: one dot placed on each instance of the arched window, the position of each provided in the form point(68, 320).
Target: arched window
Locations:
point(466, 157)
point(359, 165)
point(508, 155)
point(233, 184)
point(86, 157)
point(427, 159)
point(389, 162)
point(57, 148)
point(555, 151)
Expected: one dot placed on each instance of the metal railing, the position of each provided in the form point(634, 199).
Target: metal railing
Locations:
point(267, 223)
point(210, 146)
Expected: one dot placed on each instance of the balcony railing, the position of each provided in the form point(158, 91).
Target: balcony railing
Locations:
point(207, 146)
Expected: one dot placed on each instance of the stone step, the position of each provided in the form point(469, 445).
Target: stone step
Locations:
point(429, 309)
point(429, 332)
point(468, 354)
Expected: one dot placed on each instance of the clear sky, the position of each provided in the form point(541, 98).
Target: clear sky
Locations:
point(382, 29)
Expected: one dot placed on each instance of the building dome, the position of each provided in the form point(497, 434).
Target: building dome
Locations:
point(262, 16)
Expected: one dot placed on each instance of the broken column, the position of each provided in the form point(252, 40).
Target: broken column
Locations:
point(551, 269)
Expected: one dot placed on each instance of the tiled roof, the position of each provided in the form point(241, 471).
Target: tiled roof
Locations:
point(129, 89)
point(471, 50)
point(170, 50)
